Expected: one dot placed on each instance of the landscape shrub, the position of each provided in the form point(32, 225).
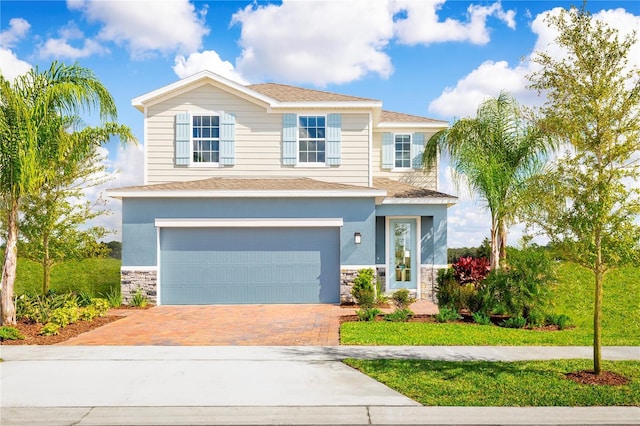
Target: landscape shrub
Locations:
point(139, 300)
point(471, 270)
point(520, 288)
point(65, 316)
point(381, 298)
point(536, 319)
point(10, 333)
point(363, 290)
point(402, 298)
point(114, 297)
point(447, 315)
point(368, 314)
point(447, 289)
point(101, 305)
point(514, 322)
point(481, 318)
point(88, 313)
point(38, 308)
point(49, 329)
point(400, 315)
point(559, 320)
point(83, 298)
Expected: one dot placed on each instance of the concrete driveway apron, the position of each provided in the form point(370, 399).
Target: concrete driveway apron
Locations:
point(251, 325)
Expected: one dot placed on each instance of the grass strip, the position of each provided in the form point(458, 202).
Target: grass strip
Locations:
point(502, 384)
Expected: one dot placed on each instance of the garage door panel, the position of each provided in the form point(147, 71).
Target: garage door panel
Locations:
point(249, 265)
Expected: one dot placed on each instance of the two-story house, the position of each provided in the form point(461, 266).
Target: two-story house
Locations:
point(269, 193)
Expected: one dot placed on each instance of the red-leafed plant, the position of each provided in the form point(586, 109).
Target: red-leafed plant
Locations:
point(471, 270)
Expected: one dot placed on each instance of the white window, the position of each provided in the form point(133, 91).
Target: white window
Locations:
point(205, 138)
point(402, 149)
point(311, 139)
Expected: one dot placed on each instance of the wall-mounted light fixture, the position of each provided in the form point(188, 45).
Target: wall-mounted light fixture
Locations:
point(357, 238)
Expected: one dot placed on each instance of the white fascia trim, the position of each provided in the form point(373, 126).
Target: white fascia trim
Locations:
point(139, 268)
point(246, 194)
point(148, 98)
point(406, 125)
point(358, 267)
point(250, 223)
point(421, 201)
point(276, 106)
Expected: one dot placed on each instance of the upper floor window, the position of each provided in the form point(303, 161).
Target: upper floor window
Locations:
point(402, 152)
point(311, 139)
point(205, 138)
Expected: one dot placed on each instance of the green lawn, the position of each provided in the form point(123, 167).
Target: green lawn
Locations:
point(573, 295)
point(94, 276)
point(483, 383)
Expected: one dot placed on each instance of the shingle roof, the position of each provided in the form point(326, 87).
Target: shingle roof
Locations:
point(246, 184)
point(399, 117)
point(397, 189)
point(286, 93)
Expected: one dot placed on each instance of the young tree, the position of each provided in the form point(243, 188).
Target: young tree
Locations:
point(51, 228)
point(34, 118)
point(585, 203)
point(494, 153)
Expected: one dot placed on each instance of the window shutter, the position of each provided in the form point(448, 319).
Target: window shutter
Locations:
point(334, 129)
point(289, 139)
point(417, 148)
point(183, 139)
point(227, 139)
point(388, 152)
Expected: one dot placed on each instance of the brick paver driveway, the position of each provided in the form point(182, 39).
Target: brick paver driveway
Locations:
point(221, 325)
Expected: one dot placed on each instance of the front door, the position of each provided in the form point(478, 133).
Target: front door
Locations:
point(402, 254)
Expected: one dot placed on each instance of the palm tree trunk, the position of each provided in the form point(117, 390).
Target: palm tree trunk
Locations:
point(494, 259)
point(9, 266)
point(503, 244)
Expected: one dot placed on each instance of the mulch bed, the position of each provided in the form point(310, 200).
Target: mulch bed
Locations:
point(605, 378)
point(31, 336)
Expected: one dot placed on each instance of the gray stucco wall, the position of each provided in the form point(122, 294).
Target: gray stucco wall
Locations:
point(139, 234)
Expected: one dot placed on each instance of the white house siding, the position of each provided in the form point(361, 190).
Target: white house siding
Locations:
point(418, 178)
point(257, 143)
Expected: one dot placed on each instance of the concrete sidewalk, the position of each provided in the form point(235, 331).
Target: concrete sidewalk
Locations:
point(253, 385)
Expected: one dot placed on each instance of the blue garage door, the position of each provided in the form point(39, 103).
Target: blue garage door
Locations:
point(249, 265)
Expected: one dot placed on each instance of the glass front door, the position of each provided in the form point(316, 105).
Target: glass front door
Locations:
point(402, 269)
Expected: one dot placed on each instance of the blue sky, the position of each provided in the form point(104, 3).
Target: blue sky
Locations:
point(432, 58)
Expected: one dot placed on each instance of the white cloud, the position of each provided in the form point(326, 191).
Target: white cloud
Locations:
point(146, 26)
point(485, 81)
point(423, 26)
point(207, 60)
point(61, 48)
point(18, 28)
point(490, 77)
point(11, 66)
point(320, 42)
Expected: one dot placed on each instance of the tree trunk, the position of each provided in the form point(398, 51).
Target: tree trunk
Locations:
point(9, 266)
point(503, 244)
point(46, 267)
point(494, 259)
point(597, 320)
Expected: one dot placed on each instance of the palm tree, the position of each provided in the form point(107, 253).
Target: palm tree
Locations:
point(494, 153)
point(35, 111)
